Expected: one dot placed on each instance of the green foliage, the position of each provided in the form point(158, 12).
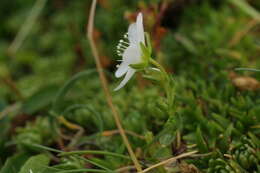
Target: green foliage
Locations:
point(246, 154)
point(14, 163)
point(39, 132)
point(36, 164)
point(51, 100)
point(39, 100)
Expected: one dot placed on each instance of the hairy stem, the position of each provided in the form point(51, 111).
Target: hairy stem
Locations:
point(166, 83)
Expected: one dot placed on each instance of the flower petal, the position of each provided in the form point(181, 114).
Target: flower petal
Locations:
point(122, 69)
point(132, 55)
point(132, 34)
point(128, 75)
point(140, 28)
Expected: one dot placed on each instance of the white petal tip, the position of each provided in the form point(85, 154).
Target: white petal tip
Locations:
point(140, 14)
point(116, 89)
point(119, 73)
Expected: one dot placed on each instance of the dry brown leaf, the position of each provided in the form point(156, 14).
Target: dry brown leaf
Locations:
point(244, 82)
point(188, 168)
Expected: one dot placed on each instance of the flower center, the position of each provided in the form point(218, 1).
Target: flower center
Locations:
point(122, 45)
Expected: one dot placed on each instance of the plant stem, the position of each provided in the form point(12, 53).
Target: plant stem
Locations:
point(247, 69)
point(105, 86)
point(99, 152)
point(166, 83)
point(156, 64)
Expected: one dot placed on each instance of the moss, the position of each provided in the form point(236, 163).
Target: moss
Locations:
point(200, 49)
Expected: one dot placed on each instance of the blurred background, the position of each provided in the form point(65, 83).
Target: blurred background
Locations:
point(200, 42)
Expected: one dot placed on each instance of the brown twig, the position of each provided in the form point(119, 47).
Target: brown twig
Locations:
point(105, 85)
point(239, 35)
point(168, 161)
point(8, 81)
point(10, 109)
point(72, 126)
point(113, 132)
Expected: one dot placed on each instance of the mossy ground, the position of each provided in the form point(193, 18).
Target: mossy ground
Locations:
point(45, 110)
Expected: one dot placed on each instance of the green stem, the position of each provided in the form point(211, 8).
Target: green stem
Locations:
point(156, 64)
point(166, 83)
point(248, 69)
point(93, 152)
point(82, 170)
point(96, 164)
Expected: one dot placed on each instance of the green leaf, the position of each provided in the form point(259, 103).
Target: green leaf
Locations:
point(167, 138)
point(168, 134)
point(69, 84)
point(186, 43)
point(225, 140)
point(245, 7)
point(36, 163)
point(202, 145)
point(5, 125)
point(96, 115)
point(138, 66)
point(237, 168)
point(255, 139)
point(40, 99)
point(14, 163)
point(145, 53)
point(148, 42)
point(221, 120)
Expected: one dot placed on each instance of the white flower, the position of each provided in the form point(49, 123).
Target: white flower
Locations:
point(130, 50)
point(31, 171)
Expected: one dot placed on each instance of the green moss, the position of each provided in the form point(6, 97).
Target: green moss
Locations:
point(211, 114)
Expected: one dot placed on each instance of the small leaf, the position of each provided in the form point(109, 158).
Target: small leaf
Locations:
point(96, 115)
point(246, 8)
point(138, 66)
point(167, 138)
point(224, 142)
point(221, 120)
point(168, 134)
point(14, 163)
point(36, 163)
point(40, 99)
point(255, 139)
point(186, 43)
point(69, 84)
point(148, 41)
point(200, 141)
point(145, 52)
